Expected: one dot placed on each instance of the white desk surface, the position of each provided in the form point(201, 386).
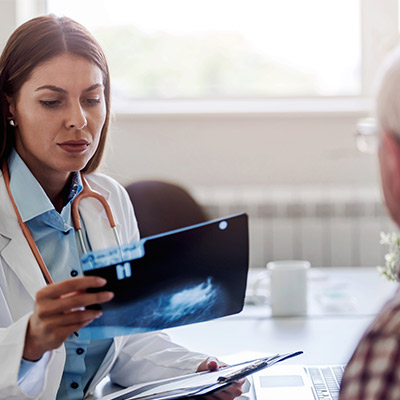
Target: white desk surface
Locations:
point(331, 291)
point(342, 303)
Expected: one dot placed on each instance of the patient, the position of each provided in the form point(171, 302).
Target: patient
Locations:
point(374, 369)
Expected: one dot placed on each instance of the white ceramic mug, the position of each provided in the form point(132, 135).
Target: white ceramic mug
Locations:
point(288, 287)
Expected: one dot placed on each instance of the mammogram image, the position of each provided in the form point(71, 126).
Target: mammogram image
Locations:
point(169, 280)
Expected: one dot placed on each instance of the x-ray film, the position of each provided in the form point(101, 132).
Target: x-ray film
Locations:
point(176, 278)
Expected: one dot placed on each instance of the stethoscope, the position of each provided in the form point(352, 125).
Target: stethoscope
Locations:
point(86, 192)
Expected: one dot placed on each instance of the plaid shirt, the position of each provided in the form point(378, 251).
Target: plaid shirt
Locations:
point(373, 371)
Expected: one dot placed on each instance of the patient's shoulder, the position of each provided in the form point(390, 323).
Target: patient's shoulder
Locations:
point(388, 320)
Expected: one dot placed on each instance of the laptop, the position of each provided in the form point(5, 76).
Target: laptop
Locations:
point(298, 382)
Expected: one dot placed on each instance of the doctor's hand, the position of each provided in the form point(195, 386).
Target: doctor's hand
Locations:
point(59, 311)
point(228, 393)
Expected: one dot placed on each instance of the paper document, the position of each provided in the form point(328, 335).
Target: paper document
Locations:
point(198, 384)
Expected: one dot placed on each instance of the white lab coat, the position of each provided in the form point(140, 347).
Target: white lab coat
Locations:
point(131, 359)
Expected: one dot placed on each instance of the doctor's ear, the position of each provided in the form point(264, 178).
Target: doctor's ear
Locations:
point(11, 105)
point(11, 111)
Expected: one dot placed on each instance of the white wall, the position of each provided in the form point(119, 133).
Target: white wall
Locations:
point(258, 149)
point(8, 20)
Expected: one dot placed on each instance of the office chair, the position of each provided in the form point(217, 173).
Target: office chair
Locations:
point(163, 206)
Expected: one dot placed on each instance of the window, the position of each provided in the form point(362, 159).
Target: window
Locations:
point(219, 49)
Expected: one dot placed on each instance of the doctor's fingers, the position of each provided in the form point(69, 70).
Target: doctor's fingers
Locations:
point(65, 324)
point(229, 393)
point(51, 333)
point(56, 290)
point(210, 364)
point(46, 307)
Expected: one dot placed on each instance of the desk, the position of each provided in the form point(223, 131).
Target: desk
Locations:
point(342, 303)
point(331, 292)
point(328, 334)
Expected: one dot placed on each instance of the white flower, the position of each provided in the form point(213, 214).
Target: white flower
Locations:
point(392, 258)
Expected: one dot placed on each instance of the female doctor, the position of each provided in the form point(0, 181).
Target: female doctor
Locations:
point(54, 117)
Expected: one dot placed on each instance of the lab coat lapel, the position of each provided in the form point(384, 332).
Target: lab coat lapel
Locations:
point(17, 253)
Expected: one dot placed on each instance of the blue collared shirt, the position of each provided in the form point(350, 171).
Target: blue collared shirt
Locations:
point(56, 240)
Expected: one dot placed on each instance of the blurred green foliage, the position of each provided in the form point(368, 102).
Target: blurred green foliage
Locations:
point(214, 65)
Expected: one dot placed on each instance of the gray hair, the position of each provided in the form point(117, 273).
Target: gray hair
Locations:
point(388, 94)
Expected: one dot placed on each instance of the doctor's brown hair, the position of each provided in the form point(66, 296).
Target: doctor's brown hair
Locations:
point(33, 43)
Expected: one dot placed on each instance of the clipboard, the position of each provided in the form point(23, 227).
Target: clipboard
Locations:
point(185, 276)
point(198, 384)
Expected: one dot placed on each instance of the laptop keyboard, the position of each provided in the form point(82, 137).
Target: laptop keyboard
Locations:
point(326, 381)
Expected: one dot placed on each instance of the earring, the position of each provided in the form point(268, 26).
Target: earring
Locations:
point(12, 123)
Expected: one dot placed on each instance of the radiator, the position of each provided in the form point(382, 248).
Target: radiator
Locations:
point(329, 226)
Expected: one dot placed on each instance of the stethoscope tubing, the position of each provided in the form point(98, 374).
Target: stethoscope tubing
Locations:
point(86, 192)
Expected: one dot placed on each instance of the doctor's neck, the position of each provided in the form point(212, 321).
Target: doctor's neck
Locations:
point(57, 191)
point(54, 180)
point(55, 185)
point(58, 198)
